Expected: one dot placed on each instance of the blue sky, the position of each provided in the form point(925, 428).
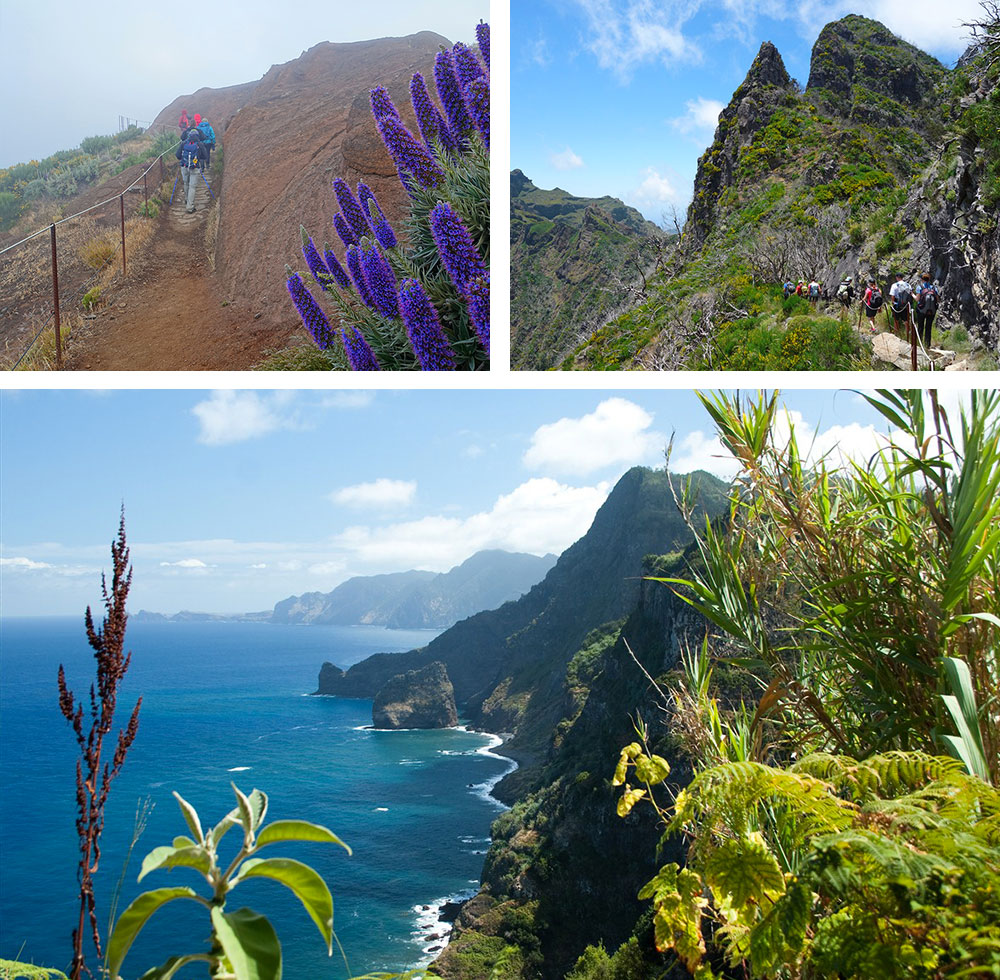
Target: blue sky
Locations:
point(621, 97)
point(237, 499)
point(134, 60)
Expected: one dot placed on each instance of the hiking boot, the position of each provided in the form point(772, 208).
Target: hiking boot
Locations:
point(190, 210)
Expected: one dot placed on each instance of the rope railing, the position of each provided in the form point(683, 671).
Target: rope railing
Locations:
point(51, 229)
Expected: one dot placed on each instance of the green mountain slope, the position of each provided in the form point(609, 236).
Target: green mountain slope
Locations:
point(886, 162)
point(574, 262)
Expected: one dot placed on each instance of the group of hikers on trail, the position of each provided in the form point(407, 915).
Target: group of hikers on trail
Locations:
point(813, 291)
point(904, 301)
point(194, 152)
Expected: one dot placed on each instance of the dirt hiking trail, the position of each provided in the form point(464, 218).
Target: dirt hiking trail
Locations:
point(170, 314)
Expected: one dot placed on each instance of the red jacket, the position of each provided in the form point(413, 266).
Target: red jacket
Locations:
point(184, 122)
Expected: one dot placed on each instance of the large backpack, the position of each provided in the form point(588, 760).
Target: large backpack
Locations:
point(208, 133)
point(814, 290)
point(189, 154)
point(875, 300)
point(902, 298)
point(927, 300)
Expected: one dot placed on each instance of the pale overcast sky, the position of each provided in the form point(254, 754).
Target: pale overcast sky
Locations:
point(237, 499)
point(70, 69)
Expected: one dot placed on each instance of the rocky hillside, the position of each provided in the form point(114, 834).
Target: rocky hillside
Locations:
point(420, 599)
point(553, 669)
point(285, 137)
point(574, 262)
point(508, 665)
point(887, 161)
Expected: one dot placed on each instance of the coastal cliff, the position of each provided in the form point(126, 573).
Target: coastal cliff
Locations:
point(421, 698)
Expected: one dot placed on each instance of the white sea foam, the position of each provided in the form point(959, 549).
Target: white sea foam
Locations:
point(239, 769)
point(381, 809)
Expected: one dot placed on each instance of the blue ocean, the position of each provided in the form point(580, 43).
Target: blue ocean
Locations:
point(222, 702)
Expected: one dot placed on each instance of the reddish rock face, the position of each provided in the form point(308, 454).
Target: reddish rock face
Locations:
point(285, 138)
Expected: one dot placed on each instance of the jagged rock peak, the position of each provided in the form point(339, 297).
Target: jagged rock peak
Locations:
point(518, 182)
point(767, 68)
point(856, 52)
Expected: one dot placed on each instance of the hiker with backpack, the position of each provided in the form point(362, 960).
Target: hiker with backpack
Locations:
point(788, 288)
point(192, 156)
point(927, 301)
point(899, 295)
point(814, 292)
point(872, 303)
point(184, 123)
point(208, 139)
point(845, 292)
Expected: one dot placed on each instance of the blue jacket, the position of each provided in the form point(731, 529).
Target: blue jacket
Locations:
point(207, 132)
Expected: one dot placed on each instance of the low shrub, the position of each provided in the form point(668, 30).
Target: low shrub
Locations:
point(98, 252)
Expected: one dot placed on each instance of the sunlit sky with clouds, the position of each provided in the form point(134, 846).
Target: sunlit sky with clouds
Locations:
point(237, 499)
point(69, 70)
point(621, 97)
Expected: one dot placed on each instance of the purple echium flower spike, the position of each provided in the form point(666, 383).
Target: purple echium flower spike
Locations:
point(354, 265)
point(450, 93)
point(313, 317)
point(431, 122)
point(319, 269)
point(456, 248)
point(381, 103)
point(423, 327)
point(376, 218)
point(345, 231)
point(381, 280)
point(466, 66)
point(337, 270)
point(356, 217)
point(409, 154)
point(478, 95)
point(483, 37)
point(479, 309)
point(359, 354)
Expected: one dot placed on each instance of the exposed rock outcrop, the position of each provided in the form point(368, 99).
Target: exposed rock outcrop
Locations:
point(421, 698)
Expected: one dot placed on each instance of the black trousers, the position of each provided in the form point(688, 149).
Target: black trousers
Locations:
point(923, 322)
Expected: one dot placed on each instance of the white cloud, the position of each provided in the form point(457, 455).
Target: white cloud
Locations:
point(654, 193)
point(193, 563)
point(235, 416)
point(23, 564)
point(347, 399)
point(627, 33)
point(700, 120)
point(617, 432)
point(566, 160)
point(697, 451)
point(379, 493)
point(258, 565)
point(540, 516)
point(537, 52)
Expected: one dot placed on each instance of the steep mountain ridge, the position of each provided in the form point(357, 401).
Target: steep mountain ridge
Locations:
point(574, 261)
point(508, 665)
point(887, 162)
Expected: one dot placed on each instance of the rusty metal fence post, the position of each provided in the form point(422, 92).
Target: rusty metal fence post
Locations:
point(55, 296)
point(121, 199)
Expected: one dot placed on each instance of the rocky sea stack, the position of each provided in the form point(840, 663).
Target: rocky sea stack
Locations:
point(421, 698)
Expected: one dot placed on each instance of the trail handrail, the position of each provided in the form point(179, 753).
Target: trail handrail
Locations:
point(93, 207)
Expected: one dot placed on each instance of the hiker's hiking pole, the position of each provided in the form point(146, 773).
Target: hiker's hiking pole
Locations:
point(171, 201)
point(207, 184)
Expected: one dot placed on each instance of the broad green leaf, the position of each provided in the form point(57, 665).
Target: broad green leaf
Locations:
point(246, 813)
point(191, 816)
point(961, 705)
point(627, 755)
point(310, 889)
point(131, 921)
point(175, 857)
point(249, 942)
point(182, 841)
point(677, 924)
point(743, 870)
point(282, 830)
point(651, 769)
point(166, 970)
